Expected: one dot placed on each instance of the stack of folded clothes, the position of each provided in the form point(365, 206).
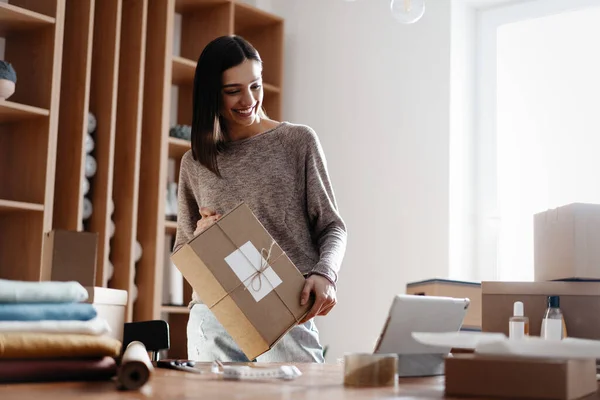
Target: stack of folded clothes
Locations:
point(49, 333)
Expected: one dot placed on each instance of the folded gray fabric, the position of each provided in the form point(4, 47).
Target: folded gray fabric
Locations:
point(41, 292)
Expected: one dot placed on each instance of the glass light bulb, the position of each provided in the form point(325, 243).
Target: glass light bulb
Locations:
point(407, 11)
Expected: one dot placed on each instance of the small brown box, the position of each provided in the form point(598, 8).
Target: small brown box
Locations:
point(70, 256)
point(450, 288)
point(579, 303)
point(222, 265)
point(516, 377)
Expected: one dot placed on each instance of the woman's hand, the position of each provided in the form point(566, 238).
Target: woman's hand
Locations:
point(325, 297)
point(209, 217)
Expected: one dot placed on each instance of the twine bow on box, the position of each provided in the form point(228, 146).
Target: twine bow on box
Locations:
point(265, 263)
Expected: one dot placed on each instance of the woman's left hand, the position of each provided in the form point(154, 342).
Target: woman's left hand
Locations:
point(325, 297)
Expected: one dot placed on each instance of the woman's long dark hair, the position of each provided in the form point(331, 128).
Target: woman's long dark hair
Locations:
point(208, 136)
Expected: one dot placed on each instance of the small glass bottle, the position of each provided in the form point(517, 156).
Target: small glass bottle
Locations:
point(518, 325)
point(553, 324)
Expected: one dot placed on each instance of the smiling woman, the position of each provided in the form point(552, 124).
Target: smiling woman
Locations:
point(279, 170)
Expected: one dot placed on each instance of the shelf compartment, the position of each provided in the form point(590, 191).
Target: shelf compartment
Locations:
point(21, 245)
point(265, 32)
point(12, 112)
point(171, 227)
point(183, 71)
point(14, 18)
point(272, 101)
point(103, 104)
point(201, 22)
point(155, 122)
point(127, 146)
point(23, 160)
point(73, 114)
point(178, 147)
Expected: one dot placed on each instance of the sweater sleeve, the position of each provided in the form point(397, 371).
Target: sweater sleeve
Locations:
point(328, 228)
point(188, 211)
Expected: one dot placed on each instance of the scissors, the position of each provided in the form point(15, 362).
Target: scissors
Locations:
point(180, 365)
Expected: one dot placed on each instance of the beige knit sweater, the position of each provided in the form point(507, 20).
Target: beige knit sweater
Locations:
point(281, 174)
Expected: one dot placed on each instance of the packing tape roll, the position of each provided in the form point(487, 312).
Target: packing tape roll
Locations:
point(136, 368)
point(370, 370)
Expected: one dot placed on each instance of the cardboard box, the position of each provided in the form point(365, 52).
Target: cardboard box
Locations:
point(566, 243)
point(70, 256)
point(223, 264)
point(523, 378)
point(110, 304)
point(451, 288)
point(579, 302)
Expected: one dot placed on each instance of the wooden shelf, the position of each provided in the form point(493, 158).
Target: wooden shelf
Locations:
point(191, 5)
point(175, 309)
point(271, 88)
point(183, 71)
point(11, 111)
point(9, 206)
point(248, 18)
point(13, 18)
point(178, 147)
point(171, 227)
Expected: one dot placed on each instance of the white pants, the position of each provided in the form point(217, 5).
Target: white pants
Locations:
point(207, 340)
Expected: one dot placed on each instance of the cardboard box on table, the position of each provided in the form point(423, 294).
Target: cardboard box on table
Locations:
point(452, 288)
point(566, 243)
point(70, 256)
point(245, 278)
point(579, 303)
point(519, 377)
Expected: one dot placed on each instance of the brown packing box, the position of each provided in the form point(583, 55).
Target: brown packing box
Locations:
point(221, 264)
point(70, 256)
point(566, 243)
point(523, 378)
point(579, 302)
point(451, 288)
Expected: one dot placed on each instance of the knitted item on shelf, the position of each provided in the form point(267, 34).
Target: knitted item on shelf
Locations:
point(181, 132)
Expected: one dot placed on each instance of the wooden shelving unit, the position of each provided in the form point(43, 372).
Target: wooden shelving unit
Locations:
point(118, 62)
point(33, 33)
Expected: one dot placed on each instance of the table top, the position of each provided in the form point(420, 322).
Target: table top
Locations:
point(318, 381)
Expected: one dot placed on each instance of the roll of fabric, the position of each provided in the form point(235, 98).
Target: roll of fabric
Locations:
point(12, 371)
point(41, 292)
point(27, 345)
point(47, 311)
point(96, 326)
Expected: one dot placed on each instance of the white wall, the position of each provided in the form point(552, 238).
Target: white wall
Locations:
point(377, 94)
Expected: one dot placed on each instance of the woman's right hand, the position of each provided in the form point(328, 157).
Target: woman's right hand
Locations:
point(209, 217)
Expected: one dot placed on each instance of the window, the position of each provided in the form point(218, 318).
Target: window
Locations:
point(538, 129)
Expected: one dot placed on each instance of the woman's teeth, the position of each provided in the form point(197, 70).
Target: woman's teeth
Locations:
point(246, 111)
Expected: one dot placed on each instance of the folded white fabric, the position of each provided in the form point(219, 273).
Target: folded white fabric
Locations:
point(97, 326)
point(41, 292)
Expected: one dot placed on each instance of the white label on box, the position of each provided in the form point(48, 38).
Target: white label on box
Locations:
point(245, 262)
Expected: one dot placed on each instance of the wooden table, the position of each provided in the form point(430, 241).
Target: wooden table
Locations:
point(319, 381)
